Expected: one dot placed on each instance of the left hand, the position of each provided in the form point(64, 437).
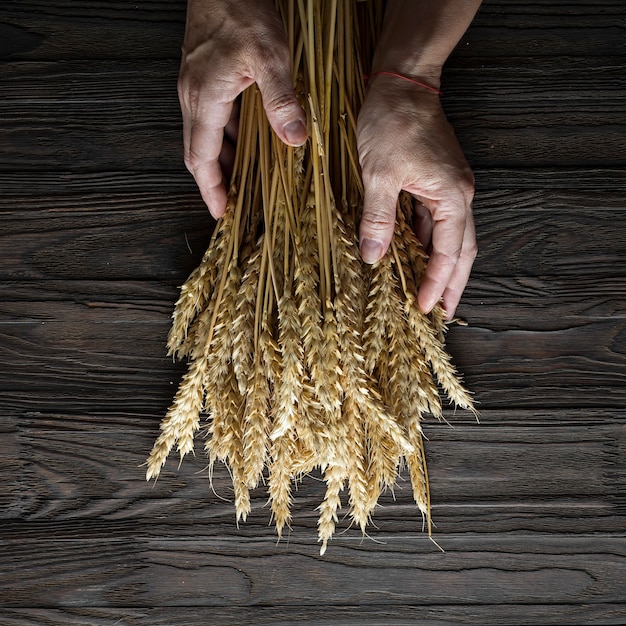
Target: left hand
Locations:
point(406, 143)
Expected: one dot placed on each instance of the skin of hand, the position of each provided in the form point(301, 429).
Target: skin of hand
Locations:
point(406, 143)
point(228, 45)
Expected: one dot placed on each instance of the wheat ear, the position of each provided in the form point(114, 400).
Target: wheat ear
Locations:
point(199, 289)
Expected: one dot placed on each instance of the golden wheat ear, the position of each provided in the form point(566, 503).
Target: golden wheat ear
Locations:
point(300, 356)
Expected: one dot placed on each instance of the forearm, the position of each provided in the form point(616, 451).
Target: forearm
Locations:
point(419, 35)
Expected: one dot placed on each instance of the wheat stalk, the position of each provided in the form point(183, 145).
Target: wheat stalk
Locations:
point(302, 357)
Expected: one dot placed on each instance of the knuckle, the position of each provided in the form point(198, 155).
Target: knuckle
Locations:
point(467, 185)
point(273, 75)
point(471, 252)
point(192, 160)
point(377, 174)
point(468, 190)
point(189, 91)
point(377, 220)
point(270, 55)
point(373, 154)
point(281, 104)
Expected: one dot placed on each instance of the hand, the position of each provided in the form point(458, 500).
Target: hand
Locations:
point(230, 44)
point(406, 143)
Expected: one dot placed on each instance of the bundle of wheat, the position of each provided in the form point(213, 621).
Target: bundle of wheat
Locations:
point(301, 356)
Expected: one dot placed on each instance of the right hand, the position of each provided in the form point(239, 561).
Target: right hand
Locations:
point(230, 44)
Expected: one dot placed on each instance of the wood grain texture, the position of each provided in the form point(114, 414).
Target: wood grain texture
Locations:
point(82, 467)
point(145, 234)
point(535, 112)
point(119, 117)
point(320, 615)
point(404, 571)
point(62, 182)
point(80, 354)
point(35, 29)
point(101, 223)
point(81, 30)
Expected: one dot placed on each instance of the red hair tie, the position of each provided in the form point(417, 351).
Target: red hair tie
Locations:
point(411, 80)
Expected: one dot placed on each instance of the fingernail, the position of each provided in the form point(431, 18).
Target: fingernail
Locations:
point(295, 132)
point(371, 250)
point(428, 306)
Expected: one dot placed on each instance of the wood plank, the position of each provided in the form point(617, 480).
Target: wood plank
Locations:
point(104, 236)
point(82, 29)
point(321, 615)
point(540, 83)
point(558, 350)
point(12, 468)
point(528, 232)
point(529, 114)
point(61, 182)
point(71, 571)
point(515, 471)
point(151, 295)
point(541, 303)
point(493, 302)
point(575, 367)
point(147, 234)
point(89, 616)
point(34, 29)
point(119, 80)
point(541, 28)
point(496, 36)
point(92, 136)
point(536, 81)
point(497, 132)
point(82, 365)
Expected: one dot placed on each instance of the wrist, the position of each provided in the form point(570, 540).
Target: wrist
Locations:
point(419, 35)
point(412, 66)
point(392, 86)
point(428, 77)
point(430, 84)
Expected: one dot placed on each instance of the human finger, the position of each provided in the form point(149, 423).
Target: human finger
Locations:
point(378, 218)
point(281, 105)
point(204, 162)
point(460, 277)
point(187, 123)
point(447, 243)
point(209, 119)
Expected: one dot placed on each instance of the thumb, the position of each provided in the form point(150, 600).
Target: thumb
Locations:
point(378, 220)
point(281, 105)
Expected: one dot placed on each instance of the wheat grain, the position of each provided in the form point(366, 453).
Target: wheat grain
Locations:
point(243, 324)
point(289, 387)
point(181, 421)
point(335, 477)
point(283, 450)
point(256, 425)
point(198, 289)
point(302, 357)
point(360, 510)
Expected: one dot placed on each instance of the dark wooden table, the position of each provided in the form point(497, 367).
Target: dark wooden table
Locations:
point(101, 224)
